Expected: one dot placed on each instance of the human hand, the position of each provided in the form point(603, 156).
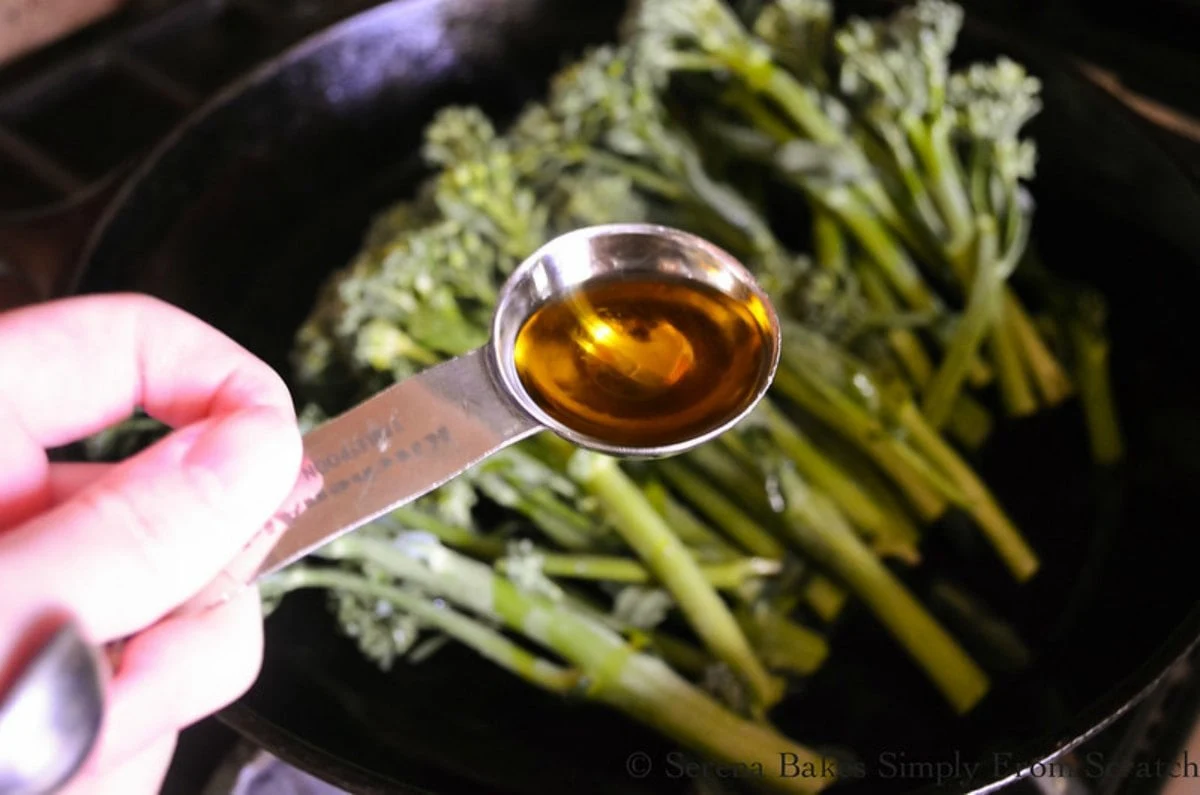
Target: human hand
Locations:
point(118, 546)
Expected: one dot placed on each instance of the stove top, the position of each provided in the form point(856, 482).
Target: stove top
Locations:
point(76, 115)
point(126, 82)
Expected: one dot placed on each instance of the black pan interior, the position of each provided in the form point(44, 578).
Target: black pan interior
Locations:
point(251, 204)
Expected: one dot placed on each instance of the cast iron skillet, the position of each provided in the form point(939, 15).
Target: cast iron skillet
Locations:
point(246, 208)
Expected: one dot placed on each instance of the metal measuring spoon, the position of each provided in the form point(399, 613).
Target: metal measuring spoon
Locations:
point(424, 431)
point(417, 435)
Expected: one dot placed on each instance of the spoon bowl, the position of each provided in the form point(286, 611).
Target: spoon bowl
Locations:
point(565, 267)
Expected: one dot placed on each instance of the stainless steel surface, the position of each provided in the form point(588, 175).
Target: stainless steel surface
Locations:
point(395, 447)
point(51, 715)
point(570, 260)
point(418, 434)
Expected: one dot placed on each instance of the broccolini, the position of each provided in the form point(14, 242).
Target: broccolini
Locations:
point(686, 593)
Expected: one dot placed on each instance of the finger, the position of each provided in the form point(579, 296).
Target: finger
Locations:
point(24, 489)
point(60, 482)
point(154, 529)
point(67, 479)
point(179, 672)
point(79, 365)
point(140, 774)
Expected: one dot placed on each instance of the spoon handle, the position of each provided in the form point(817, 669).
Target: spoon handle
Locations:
point(389, 450)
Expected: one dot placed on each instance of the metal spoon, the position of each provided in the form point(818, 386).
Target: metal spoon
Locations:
point(422, 432)
point(417, 435)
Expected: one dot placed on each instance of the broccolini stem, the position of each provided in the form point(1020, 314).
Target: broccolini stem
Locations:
point(927, 489)
point(642, 176)
point(1007, 343)
point(1013, 220)
point(846, 204)
point(614, 673)
point(678, 653)
point(747, 489)
point(828, 244)
point(826, 601)
point(1048, 374)
point(891, 534)
point(977, 320)
point(1091, 353)
point(869, 477)
point(672, 188)
point(652, 693)
point(1015, 389)
point(822, 533)
point(564, 525)
point(721, 511)
point(690, 530)
point(994, 640)
point(877, 198)
point(727, 575)
point(872, 226)
point(681, 656)
point(937, 156)
point(876, 240)
point(757, 113)
point(486, 641)
point(889, 144)
point(826, 597)
point(726, 203)
point(799, 102)
point(783, 644)
point(904, 343)
point(979, 179)
point(1012, 547)
point(480, 546)
point(673, 565)
point(551, 449)
point(801, 105)
point(980, 374)
point(969, 421)
point(925, 498)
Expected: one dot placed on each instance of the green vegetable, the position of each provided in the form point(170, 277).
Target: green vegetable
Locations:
point(687, 593)
point(821, 531)
point(597, 662)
